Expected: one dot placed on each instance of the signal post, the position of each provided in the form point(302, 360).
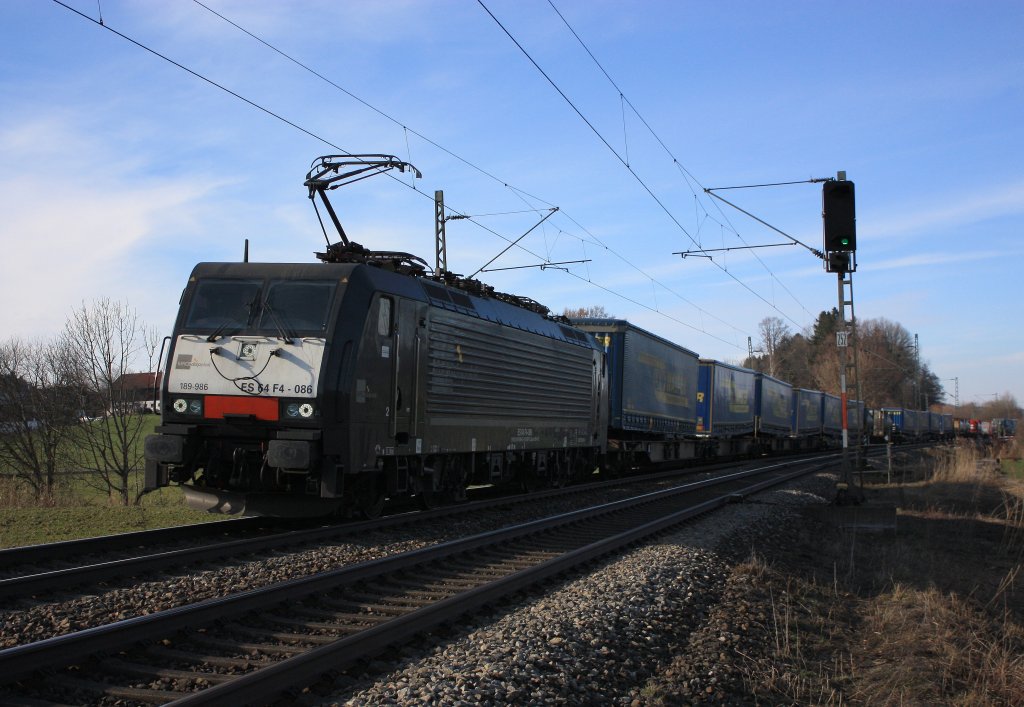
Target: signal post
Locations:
point(840, 254)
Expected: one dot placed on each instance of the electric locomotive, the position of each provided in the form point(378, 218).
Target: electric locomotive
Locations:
point(305, 389)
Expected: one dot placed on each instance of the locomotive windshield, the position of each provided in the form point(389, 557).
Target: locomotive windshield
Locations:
point(297, 305)
point(257, 307)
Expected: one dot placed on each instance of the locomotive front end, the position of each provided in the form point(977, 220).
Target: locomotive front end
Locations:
point(242, 413)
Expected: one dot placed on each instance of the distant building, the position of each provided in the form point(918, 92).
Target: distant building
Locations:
point(140, 391)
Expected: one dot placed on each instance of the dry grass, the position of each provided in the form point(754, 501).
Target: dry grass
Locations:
point(15, 493)
point(937, 610)
point(930, 615)
point(923, 646)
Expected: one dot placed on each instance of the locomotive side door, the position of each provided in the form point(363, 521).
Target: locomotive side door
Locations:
point(405, 392)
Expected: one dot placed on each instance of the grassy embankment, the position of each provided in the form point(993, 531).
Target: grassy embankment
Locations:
point(932, 613)
point(79, 509)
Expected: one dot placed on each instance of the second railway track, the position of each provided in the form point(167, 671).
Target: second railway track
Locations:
point(38, 571)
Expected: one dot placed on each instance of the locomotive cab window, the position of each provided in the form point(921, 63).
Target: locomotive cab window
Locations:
point(278, 307)
point(224, 304)
point(297, 305)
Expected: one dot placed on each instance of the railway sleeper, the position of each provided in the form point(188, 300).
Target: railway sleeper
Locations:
point(390, 598)
point(441, 583)
point(313, 625)
point(79, 686)
point(331, 615)
point(146, 671)
point(412, 592)
point(470, 569)
point(345, 612)
point(425, 587)
point(283, 636)
point(236, 646)
point(238, 664)
point(368, 605)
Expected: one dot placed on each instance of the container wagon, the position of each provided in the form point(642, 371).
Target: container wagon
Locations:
point(652, 415)
point(773, 400)
point(725, 407)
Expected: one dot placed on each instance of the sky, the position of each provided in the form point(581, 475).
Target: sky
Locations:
point(120, 170)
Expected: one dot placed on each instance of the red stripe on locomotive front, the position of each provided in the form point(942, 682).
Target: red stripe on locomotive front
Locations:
point(218, 406)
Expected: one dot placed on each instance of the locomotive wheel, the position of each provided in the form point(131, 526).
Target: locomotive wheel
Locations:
point(614, 466)
point(426, 496)
point(559, 473)
point(427, 499)
point(529, 481)
point(368, 496)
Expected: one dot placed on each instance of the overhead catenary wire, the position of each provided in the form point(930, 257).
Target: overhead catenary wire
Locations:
point(624, 162)
point(795, 241)
point(686, 174)
point(443, 149)
point(523, 195)
point(315, 136)
point(269, 112)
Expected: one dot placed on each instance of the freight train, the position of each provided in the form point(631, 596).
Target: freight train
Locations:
point(316, 388)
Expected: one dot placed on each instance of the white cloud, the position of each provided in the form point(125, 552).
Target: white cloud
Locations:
point(930, 259)
point(78, 222)
point(953, 211)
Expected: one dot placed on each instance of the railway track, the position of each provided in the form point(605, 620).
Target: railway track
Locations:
point(41, 570)
point(249, 647)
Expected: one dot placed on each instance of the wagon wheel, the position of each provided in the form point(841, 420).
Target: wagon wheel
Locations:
point(368, 496)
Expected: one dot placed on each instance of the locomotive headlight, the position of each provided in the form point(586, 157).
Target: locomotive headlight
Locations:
point(195, 407)
point(180, 405)
point(298, 410)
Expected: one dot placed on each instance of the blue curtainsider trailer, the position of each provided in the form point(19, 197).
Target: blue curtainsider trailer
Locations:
point(652, 382)
point(831, 416)
point(725, 399)
point(773, 400)
point(806, 421)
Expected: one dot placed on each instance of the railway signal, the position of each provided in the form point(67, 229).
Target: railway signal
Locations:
point(839, 216)
point(839, 225)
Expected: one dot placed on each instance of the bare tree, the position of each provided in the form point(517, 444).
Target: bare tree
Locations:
point(103, 339)
point(774, 333)
point(38, 405)
point(593, 312)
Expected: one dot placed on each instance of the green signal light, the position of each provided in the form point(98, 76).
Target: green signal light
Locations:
point(845, 241)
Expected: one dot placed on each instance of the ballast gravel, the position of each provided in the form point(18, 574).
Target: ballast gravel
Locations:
point(605, 637)
point(54, 617)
